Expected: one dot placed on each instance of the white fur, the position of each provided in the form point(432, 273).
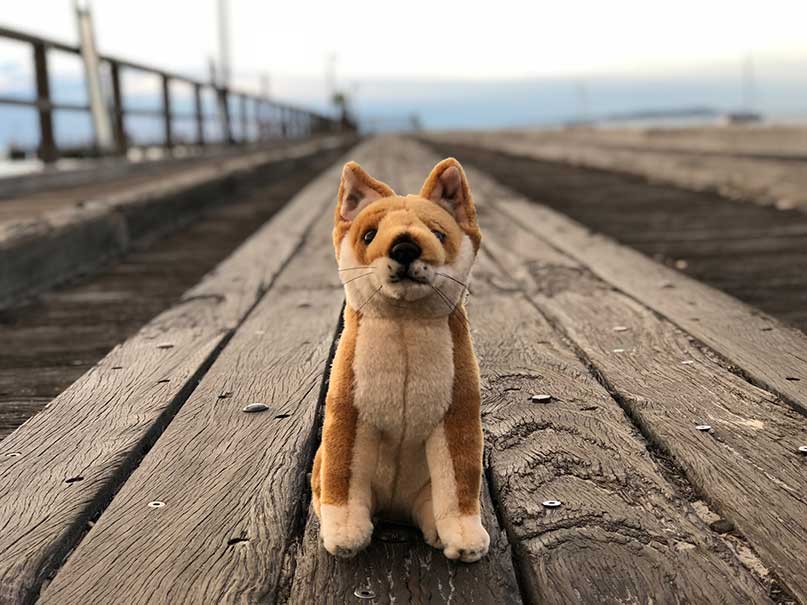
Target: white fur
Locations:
point(462, 536)
point(404, 375)
point(404, 299)
point(347, 529)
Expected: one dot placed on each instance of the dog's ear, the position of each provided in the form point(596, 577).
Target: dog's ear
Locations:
point(356, 190)
point(448, 186)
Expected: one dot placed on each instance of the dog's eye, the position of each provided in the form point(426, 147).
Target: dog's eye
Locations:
point(368, 236)
point(439, 235)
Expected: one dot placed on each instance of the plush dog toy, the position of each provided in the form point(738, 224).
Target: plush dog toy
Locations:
point(402, 437)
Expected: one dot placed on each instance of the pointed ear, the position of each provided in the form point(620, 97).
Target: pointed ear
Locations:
point(448, 187)
point(356, 191)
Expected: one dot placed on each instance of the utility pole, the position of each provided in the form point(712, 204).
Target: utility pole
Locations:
point(265, 86)
point(748, 84)
point(222, 82)
point(92, 75)
point(330, 75)
point(583, 109)
point(224, 44)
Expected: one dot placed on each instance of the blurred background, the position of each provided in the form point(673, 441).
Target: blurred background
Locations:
point(419, 64)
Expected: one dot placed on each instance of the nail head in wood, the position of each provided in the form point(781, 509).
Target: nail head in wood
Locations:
point(619, 350)
point(165, 345)
point(703, 428)
point(364, 593)
point(13, 454)
point(620, 328)
point(551, 503)
point(541, 398)
point(687, 362)
point(803, 449)
point(252, 408)
point(156, 504)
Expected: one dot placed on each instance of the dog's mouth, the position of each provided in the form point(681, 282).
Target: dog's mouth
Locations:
point(407, 283)
point(406, 277)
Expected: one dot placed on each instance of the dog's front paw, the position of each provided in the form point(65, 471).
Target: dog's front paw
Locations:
point(463, 538)
point(345, 530)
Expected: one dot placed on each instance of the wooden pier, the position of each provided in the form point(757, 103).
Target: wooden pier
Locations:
point(671, 434)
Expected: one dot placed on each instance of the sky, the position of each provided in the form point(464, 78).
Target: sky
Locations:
point(409, 55)
point(429, 39)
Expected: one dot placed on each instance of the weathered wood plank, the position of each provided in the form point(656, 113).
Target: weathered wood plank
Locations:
point(38, 252)
point(99, 428)
point(748, 467)
point(232, 482)
point(765, 181)
point(770, 353)
point(622, 533)
point(399, 567)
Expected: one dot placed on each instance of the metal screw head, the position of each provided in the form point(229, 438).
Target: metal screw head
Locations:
point(619, 350)
point(541, 398)
point(255, 407)
point(165, 345)
point(620, 328)
point(687, 362)
point(703, 427)
point(364, 593)
point(803, 449)
point(156, 504)
point(551, 503)
point(13, 454)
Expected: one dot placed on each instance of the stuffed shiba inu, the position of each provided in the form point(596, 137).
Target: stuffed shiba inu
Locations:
point(402, 437)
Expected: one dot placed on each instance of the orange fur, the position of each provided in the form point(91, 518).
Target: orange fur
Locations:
point(462, 421)
point(340, 421)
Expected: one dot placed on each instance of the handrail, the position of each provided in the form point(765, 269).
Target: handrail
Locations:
point(293, 121)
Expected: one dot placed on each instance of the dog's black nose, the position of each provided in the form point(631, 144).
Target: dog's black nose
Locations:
point(405, 251)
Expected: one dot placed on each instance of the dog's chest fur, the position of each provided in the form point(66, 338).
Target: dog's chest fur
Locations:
point(404, 375)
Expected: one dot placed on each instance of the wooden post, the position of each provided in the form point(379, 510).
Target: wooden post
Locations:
point(224, 112)
point(200, 119)
point(244, 122)
point(257, 103)
point(47, 142)
point(169, 139)
point(284, 122)
point(118, 125)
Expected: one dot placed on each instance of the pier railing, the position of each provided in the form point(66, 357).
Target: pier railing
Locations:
point(269, 118)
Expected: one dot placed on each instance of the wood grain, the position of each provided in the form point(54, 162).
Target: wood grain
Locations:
point(771, 354)
point(232, 482)
point(748, 467)
point(622, 533)
point(99, 428)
